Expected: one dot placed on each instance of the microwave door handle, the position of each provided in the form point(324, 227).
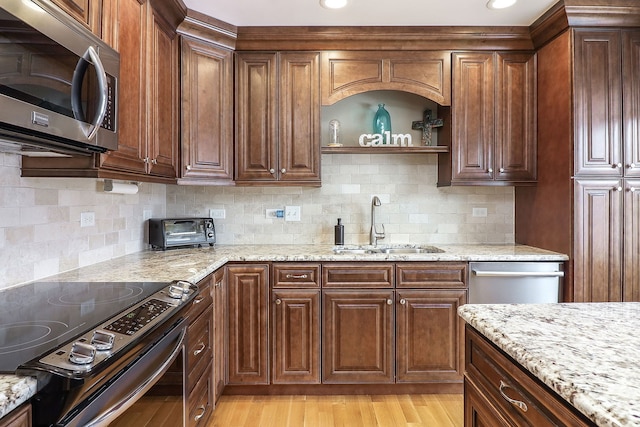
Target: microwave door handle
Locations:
point(76, 90)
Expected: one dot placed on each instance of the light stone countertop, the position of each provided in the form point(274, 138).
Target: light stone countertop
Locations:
point(194, 264)
point(587, 353)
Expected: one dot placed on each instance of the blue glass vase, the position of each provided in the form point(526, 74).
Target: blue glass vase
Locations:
point(381, 121)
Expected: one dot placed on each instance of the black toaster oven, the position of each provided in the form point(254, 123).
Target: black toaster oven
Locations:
point(181, 232)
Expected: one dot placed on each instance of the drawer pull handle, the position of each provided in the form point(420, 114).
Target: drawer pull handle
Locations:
point(198, 300)
point(520, 404)
point(200, 349)
point(202, 410)
point(297, 276)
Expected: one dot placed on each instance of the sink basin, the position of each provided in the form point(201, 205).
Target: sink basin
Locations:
point(393, 249)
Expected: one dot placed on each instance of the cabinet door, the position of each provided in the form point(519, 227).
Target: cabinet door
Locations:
point(515, 146)
point(632, 240)
point(357, 342)
point(125, 26)
point(478, 411)
point(86, 12)
point(163, 99)
point(256, 124)
point(207, 112)
point(248, 323)
point(299, 117)
point(631, 98)
point(296, 337)
point(473, 124)
point(598, 240)
point(219, 336)
point(429, 335)
point(598, 103)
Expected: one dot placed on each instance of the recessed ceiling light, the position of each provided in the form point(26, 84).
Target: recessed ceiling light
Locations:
point(500, 4)
point(333, 4)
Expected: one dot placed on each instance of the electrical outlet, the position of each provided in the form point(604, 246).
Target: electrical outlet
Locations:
point(146, 214)
point(217, 213)
point(292, 213)
point(87, 219)
point(479, 212)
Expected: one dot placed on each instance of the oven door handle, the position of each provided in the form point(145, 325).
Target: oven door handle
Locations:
point(130, 388)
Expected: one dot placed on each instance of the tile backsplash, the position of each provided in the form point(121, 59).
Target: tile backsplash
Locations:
point(40, 233)
point(413, 208)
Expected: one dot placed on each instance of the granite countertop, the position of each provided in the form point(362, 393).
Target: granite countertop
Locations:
point(586, 352)
point(195, 264)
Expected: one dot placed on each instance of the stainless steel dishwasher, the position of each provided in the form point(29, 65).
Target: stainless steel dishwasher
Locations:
point(515, 282)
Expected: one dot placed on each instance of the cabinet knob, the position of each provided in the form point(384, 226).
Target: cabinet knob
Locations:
point(490, 170)
point(389, 301)
point(632, 189)
point(154, 161)
point(501, 170)
point(188, 167)
point(617, 188)
point(403, 301)
point(218, 284)
point(272, 171)
point(146, 160)
point(617, 165)
point(632, 165)
point(283, 170)
point(278, 301)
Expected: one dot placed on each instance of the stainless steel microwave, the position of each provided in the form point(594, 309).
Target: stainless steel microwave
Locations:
point(58, 82)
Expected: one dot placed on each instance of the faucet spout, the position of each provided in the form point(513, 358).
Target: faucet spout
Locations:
point(374, 234)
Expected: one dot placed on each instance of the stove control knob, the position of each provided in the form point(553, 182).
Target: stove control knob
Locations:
point(81, 353)
point(179, 288)
point(102, 340)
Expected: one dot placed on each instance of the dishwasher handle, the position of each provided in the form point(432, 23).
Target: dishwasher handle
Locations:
point(489, 273)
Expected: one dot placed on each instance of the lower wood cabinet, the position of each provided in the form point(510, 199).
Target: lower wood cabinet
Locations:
point(248, 288)
point(19, 417)
point(220, 315)
point(357, 342)
point(499, 392)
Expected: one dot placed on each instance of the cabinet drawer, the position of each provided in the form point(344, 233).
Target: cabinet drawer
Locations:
point(357, 275)
point(200, 400)
point(441, 275)
point(199, 352)
point(296, 275)
point(20, 417)
point(499, 378)
point(203, 300)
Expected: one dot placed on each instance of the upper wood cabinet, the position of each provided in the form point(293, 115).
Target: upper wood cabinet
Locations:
point(494, 117)
point(207, 113)
point(346, 73)
point(86, 12)
point(277, 116)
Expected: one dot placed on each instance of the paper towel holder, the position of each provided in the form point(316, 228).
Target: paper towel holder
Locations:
point(120, 187)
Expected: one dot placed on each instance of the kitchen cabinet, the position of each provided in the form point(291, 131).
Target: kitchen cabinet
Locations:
point(220, 315)
point(248, 294)
point(277, 116)
point(144, 33)
point(206, 141)
point(87, 12)
point(19, 417)
point(493, 116)
point(429, 333)
point(295, 297)
point(499, 392)
point(425, 73)
point(585, 203)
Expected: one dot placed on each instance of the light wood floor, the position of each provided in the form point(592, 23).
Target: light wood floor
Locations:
point(423, 410)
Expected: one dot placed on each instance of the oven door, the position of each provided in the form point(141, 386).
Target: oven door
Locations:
point(129, 386)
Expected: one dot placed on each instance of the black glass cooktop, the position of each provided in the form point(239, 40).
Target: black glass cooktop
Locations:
point(41, 316)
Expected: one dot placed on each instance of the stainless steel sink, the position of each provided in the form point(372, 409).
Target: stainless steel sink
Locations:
point(392, 249)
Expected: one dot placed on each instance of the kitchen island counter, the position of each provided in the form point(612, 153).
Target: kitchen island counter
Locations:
point(194, 264)
point(585, 353)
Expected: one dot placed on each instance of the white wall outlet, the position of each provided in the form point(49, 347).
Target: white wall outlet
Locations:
point(217, 213)
point(87, 219)
point(146, 214)
point(292, 213)
point(479, 212)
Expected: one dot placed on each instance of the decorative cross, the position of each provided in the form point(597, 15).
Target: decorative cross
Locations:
point(426, 125)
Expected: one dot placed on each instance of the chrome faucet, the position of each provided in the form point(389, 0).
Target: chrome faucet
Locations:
point(374, 235)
